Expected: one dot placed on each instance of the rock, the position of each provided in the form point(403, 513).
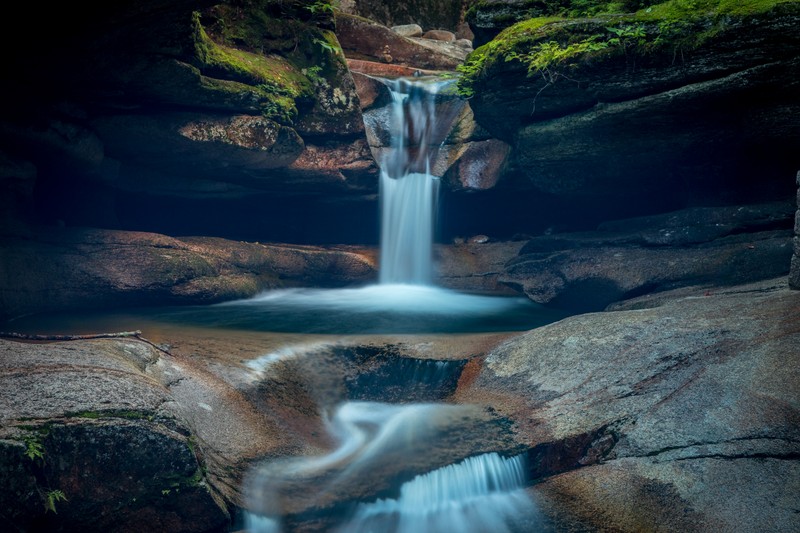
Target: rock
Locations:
point(428, 13)
point(440, 35)
point(366, 40)
point(464, 43)
point(71, 268)
point(382, 70)
point(474, 267)
point(711, 247)
point(464, 32)
point(408, 30)
point(87, 420)
point(488, 18)
point(190, 101)
point(371, 92)
point(596, 137)
point(794, 272)
point(691, 408)
point(479, 165)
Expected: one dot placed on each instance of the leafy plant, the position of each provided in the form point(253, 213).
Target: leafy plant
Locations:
point(34, 449)
point(319, 7)
point(51, 498)
point(325, 45)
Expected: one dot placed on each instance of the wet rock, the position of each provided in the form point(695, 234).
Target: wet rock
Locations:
point(475, 268)
point(693, 404)
point(371, 92)
point(408, 30)
point(479, 165)
point(704, 246)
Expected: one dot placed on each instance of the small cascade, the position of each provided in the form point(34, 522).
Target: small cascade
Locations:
point(479, 494)
point(375, 441)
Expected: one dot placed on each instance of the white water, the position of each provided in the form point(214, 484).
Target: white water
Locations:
point(408, 191)
point(480, 494)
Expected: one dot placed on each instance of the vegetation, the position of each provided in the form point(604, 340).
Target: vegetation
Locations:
point(280, 51)
point(51, 498)
point(34, 449)
point(551, 46)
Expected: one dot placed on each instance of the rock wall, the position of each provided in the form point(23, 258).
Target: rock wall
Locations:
point(794, 273)
point(179, 99)
point(430, 14)
point(646, 124)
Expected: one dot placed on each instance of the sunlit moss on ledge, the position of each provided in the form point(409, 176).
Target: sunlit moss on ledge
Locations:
point(545, 43)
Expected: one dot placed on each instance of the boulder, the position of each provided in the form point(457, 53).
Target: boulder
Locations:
point(687, 412)
point(703, 246)
point(440, 35)
point(595, 124)
point(53, 269)
point(91, 440)
point(363, 39)
point(408, 30)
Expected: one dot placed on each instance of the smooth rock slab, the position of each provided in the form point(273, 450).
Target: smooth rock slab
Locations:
point(695, 405)
point(85, 419)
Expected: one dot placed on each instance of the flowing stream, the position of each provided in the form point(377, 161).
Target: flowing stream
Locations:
point(418, 465)
point(374, 442)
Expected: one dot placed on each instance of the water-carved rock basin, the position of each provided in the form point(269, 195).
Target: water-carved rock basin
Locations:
point(350, 424)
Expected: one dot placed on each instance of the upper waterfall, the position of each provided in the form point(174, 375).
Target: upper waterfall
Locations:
point(408, 187)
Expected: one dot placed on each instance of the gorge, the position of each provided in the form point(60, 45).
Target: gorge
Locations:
point(253, 275)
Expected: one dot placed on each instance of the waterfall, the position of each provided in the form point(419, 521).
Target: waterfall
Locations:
point(482, 493)
point(408, 190)
point(479, 494)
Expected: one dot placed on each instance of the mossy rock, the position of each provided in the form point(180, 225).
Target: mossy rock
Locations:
point(555, 45)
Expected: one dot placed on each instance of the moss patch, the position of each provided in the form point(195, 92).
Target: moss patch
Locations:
point(545, 44)
point(275, 55)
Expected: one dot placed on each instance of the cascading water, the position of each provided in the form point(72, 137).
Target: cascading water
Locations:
point(408, 190)
point(371, 443)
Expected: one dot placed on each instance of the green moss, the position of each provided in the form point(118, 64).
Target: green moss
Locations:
point(276, 52)
point(554, 45)
point(693, 9)
point(270, 75)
